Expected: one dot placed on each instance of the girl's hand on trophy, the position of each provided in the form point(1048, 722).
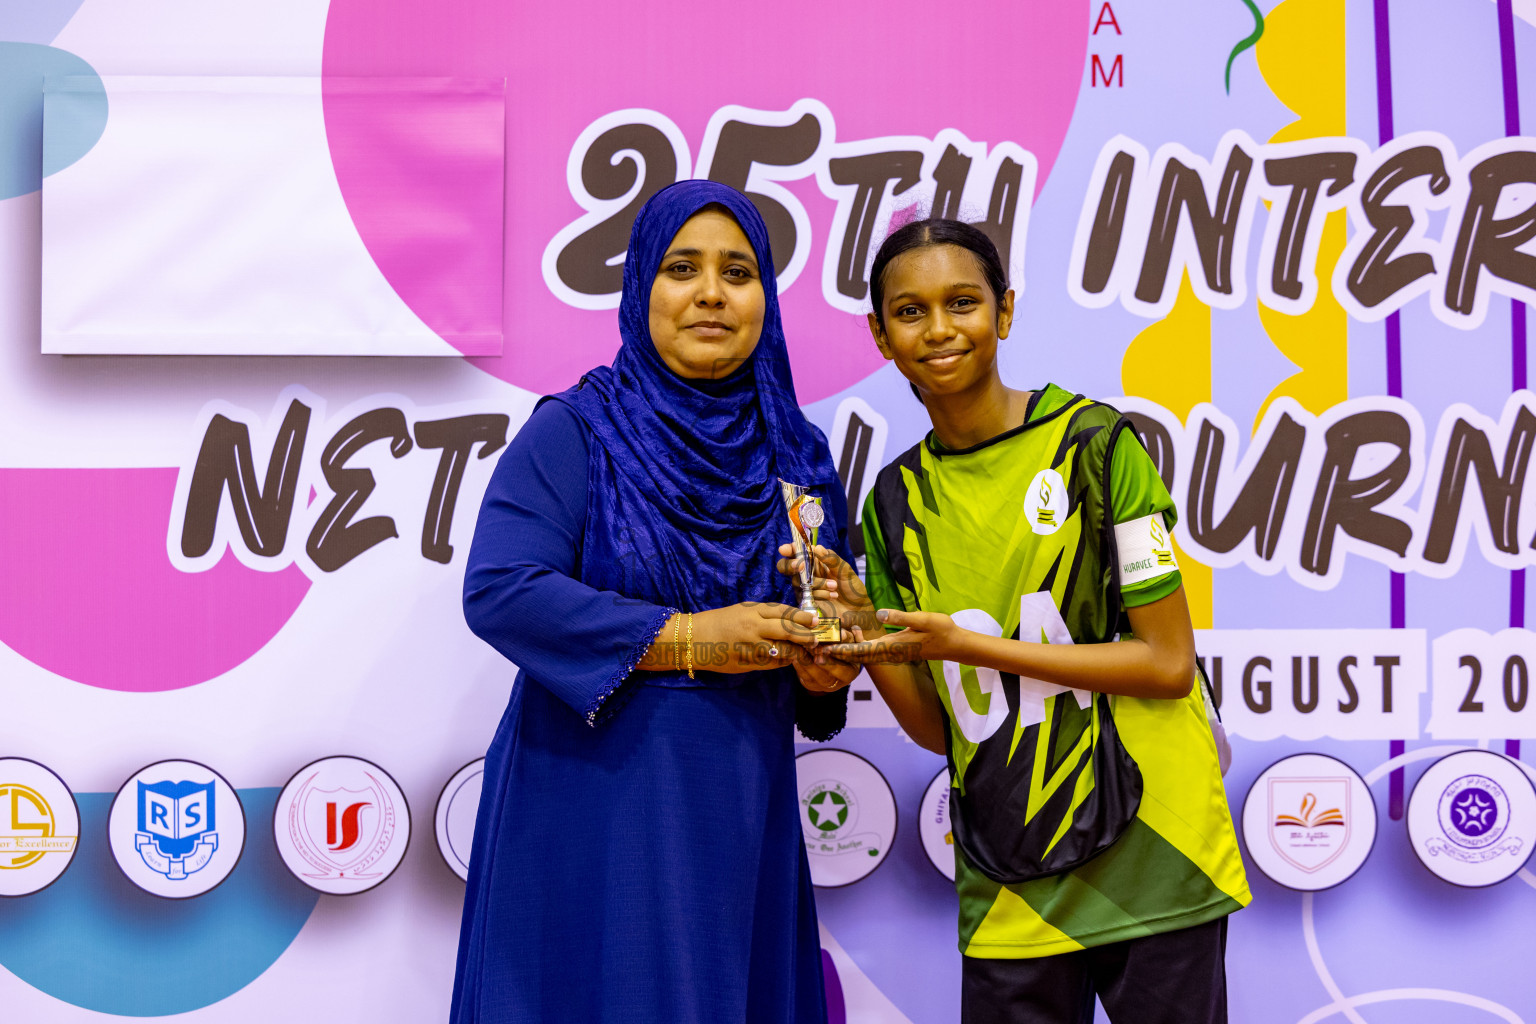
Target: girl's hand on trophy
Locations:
point(923, 636)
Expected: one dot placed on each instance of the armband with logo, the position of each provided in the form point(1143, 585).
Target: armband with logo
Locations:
point(1145, 549)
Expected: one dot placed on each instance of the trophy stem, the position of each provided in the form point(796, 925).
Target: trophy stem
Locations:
point(805, 516)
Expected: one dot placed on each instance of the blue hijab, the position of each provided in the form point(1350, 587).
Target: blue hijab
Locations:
point(683, 506)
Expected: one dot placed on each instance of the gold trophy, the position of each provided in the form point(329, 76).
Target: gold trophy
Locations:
point(805, 518)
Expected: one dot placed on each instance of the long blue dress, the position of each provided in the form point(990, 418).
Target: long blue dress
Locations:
point(646, 865)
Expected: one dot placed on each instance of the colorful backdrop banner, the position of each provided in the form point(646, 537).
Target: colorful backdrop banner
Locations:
point(1293, 240)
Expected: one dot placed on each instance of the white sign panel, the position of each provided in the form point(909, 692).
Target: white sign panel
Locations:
point(1482, 685)
point(1308, 684)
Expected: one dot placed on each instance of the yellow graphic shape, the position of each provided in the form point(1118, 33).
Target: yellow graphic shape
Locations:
point(27, 816)
point(1301, 57)
point(1169, 363)
point(1010, 917)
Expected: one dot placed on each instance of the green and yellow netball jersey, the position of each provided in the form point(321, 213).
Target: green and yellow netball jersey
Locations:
point(1079, 818)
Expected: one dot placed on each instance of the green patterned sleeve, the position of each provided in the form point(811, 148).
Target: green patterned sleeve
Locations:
point(880, 582)
point(1136, 491)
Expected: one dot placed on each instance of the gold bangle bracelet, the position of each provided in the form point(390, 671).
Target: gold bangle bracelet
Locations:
point(677, 631)
point(690, 645)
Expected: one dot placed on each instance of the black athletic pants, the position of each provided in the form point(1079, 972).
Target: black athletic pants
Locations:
point(1174, 978)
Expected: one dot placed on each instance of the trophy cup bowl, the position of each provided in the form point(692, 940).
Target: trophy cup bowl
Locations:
point(805, 518)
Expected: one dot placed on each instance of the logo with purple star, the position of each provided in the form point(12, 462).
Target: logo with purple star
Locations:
point(1472, 817)
point(1474, 812)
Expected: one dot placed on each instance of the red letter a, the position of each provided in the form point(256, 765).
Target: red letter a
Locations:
point(1106, 16)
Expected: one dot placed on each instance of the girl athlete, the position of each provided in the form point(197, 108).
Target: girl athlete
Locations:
point(1095, 853)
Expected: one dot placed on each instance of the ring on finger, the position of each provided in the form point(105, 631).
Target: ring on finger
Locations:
point(773, 652)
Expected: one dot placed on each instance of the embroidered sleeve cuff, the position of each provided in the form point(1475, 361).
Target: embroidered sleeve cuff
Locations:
point(612, 696)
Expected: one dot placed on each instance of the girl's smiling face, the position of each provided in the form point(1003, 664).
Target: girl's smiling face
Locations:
point(941, 322)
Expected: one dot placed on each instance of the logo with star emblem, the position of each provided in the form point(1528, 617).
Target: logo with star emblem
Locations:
point(1472, 817)
point(828, 808)
point(1474, 812)
point(847, 815)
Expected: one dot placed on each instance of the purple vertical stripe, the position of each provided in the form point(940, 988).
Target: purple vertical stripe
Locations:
point(1517, 344)
point(1394, 356)
point(1395, 748)
point(1383, 73)
point(1384, 132)
point(1510, 75)
point(837, 1008)
point(1516, 590)
point(1517, 352)
point(1507, 60)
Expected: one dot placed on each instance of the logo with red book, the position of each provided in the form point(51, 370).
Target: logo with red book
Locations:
point(1311, 819)
point(1309, 822)
point(342, 825)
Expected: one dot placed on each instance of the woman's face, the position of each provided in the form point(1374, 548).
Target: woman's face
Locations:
point(942, 322)
point(707, 300)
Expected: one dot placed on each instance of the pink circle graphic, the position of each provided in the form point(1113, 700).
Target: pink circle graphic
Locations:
point(91, 595)
point(1011, 73)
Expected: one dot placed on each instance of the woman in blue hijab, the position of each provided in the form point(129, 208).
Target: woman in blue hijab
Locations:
point(638, 854)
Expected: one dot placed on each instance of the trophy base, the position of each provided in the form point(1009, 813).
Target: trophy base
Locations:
point(828, 630)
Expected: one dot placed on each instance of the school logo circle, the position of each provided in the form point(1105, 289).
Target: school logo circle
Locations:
point(847, 816)
point(176, 829)
point(457, 806)
point(1474, 812)
point(39, 827)
point(342, 825)
point(828, 807)
point(1045, 502)
point(933, 824)
point(1472, 818)
point(1309, 822)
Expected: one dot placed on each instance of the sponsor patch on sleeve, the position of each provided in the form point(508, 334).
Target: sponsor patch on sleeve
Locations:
point(1146, 551)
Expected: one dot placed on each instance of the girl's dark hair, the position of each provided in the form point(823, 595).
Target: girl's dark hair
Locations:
point(922, 233)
